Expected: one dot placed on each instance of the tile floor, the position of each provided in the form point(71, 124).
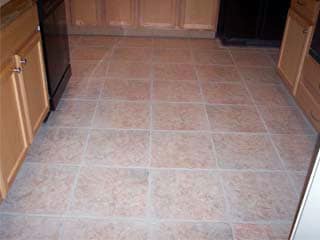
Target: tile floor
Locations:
point(164, 139)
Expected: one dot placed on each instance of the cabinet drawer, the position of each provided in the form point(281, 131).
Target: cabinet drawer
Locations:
point(311, 77)
point(309, 105)
point(309, 9)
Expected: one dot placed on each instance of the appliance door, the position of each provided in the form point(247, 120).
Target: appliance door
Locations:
point(55, 40)
point(315, 46)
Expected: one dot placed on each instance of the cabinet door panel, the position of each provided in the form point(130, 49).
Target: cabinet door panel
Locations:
point(293, 50)
point(158, 13)
point(84, 12)
point(13, 136)
point(34, 81)
point(120, 12)
point(201, 14)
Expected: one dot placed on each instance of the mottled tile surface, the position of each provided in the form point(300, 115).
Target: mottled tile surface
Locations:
point(260, 75)
point(204, 56)
point(217, 73)
point(129, 70)
point(251, 58)
point(174, 72)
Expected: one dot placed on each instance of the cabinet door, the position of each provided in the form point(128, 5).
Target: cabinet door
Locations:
point(83, 12)
point(13, 134)
point(294, 47)
point(158, 13)
point(200, 14)
point(33, 77)
point(120, 12)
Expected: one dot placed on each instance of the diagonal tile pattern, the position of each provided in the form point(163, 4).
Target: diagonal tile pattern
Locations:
point(163, 138)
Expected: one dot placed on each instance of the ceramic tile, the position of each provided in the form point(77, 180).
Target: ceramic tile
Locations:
point(270, 95)
point(298, 179)
point(174, 72)
point(118, 148)
point(262, 231)
point(167, 55)
point(84, 229)
point(135, 42)
point(53, 145)
point(179, 117)
point(106, 192)
point(132, 54)
point(83, 88)
point(86, 53)
point(122, 115)
point(251, 58)
point(98, 41)
point(191, 231)
point(217, 73)
point(205, 44)
point(295, 151)
point(129, 70)
point(234, 118)
point(225, 93)
point(82, 69)
point(171, 43)
point(241, 151)
point(221, 57)
point(260, 75)
point(29, 228)
point(40, 189)
point(187, 195)
point(285, 120)
point(123, 89)
point(100, 70)
point(74, 39)
point(176, 91)
point(72, 113)
point(182, 150)
point(260, 196)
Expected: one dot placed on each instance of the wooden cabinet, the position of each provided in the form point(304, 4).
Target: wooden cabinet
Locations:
point(120, 12)
point(200, 14)
point(83, 12)
point(308, 9)
point(295, 44)
point(158, 13)
point(13, 126)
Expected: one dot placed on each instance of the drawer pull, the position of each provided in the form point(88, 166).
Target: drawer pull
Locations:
point(314, 117)
point(23, 61)
point(17, 70)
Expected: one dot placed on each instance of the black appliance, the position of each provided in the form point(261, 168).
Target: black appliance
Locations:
point(252, 22)
point(315, 45)
point(53, 25)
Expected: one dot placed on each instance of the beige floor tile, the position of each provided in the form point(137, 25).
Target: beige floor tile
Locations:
point(171, 43)
point(242, 151)
point(123, 89)
point(90, 53)
point(205, 44)
point(170, 116)
point(83, 69)
point(182, 150)
point(106, 192)
point(234, 118)
point(295, 151)
point(299, 179)
point(125, 115)
point(225, 93)
point(260, 75)
point(217, 73)
point(251, 58)
point(91, 40)
point(100, 70)
point(129, 70)
point(135, 42)
point(74, 40)
point(187, 195)
point(270, 95)
point(285, 120)
point(260, 196)
point(191, 231)
point(118, 148)
point(40, 189)
point(132, 54)
point(177, 91)
point(167, 55)
point(176, 72)
point(58, 145)
point(29, 228)
point(205, 56)
point(262, 231)
point(73, 113)
point(83, 88)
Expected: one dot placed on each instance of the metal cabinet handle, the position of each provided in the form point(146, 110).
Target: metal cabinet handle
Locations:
point(23, 61)
point(314, 117)
point(17, 70)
